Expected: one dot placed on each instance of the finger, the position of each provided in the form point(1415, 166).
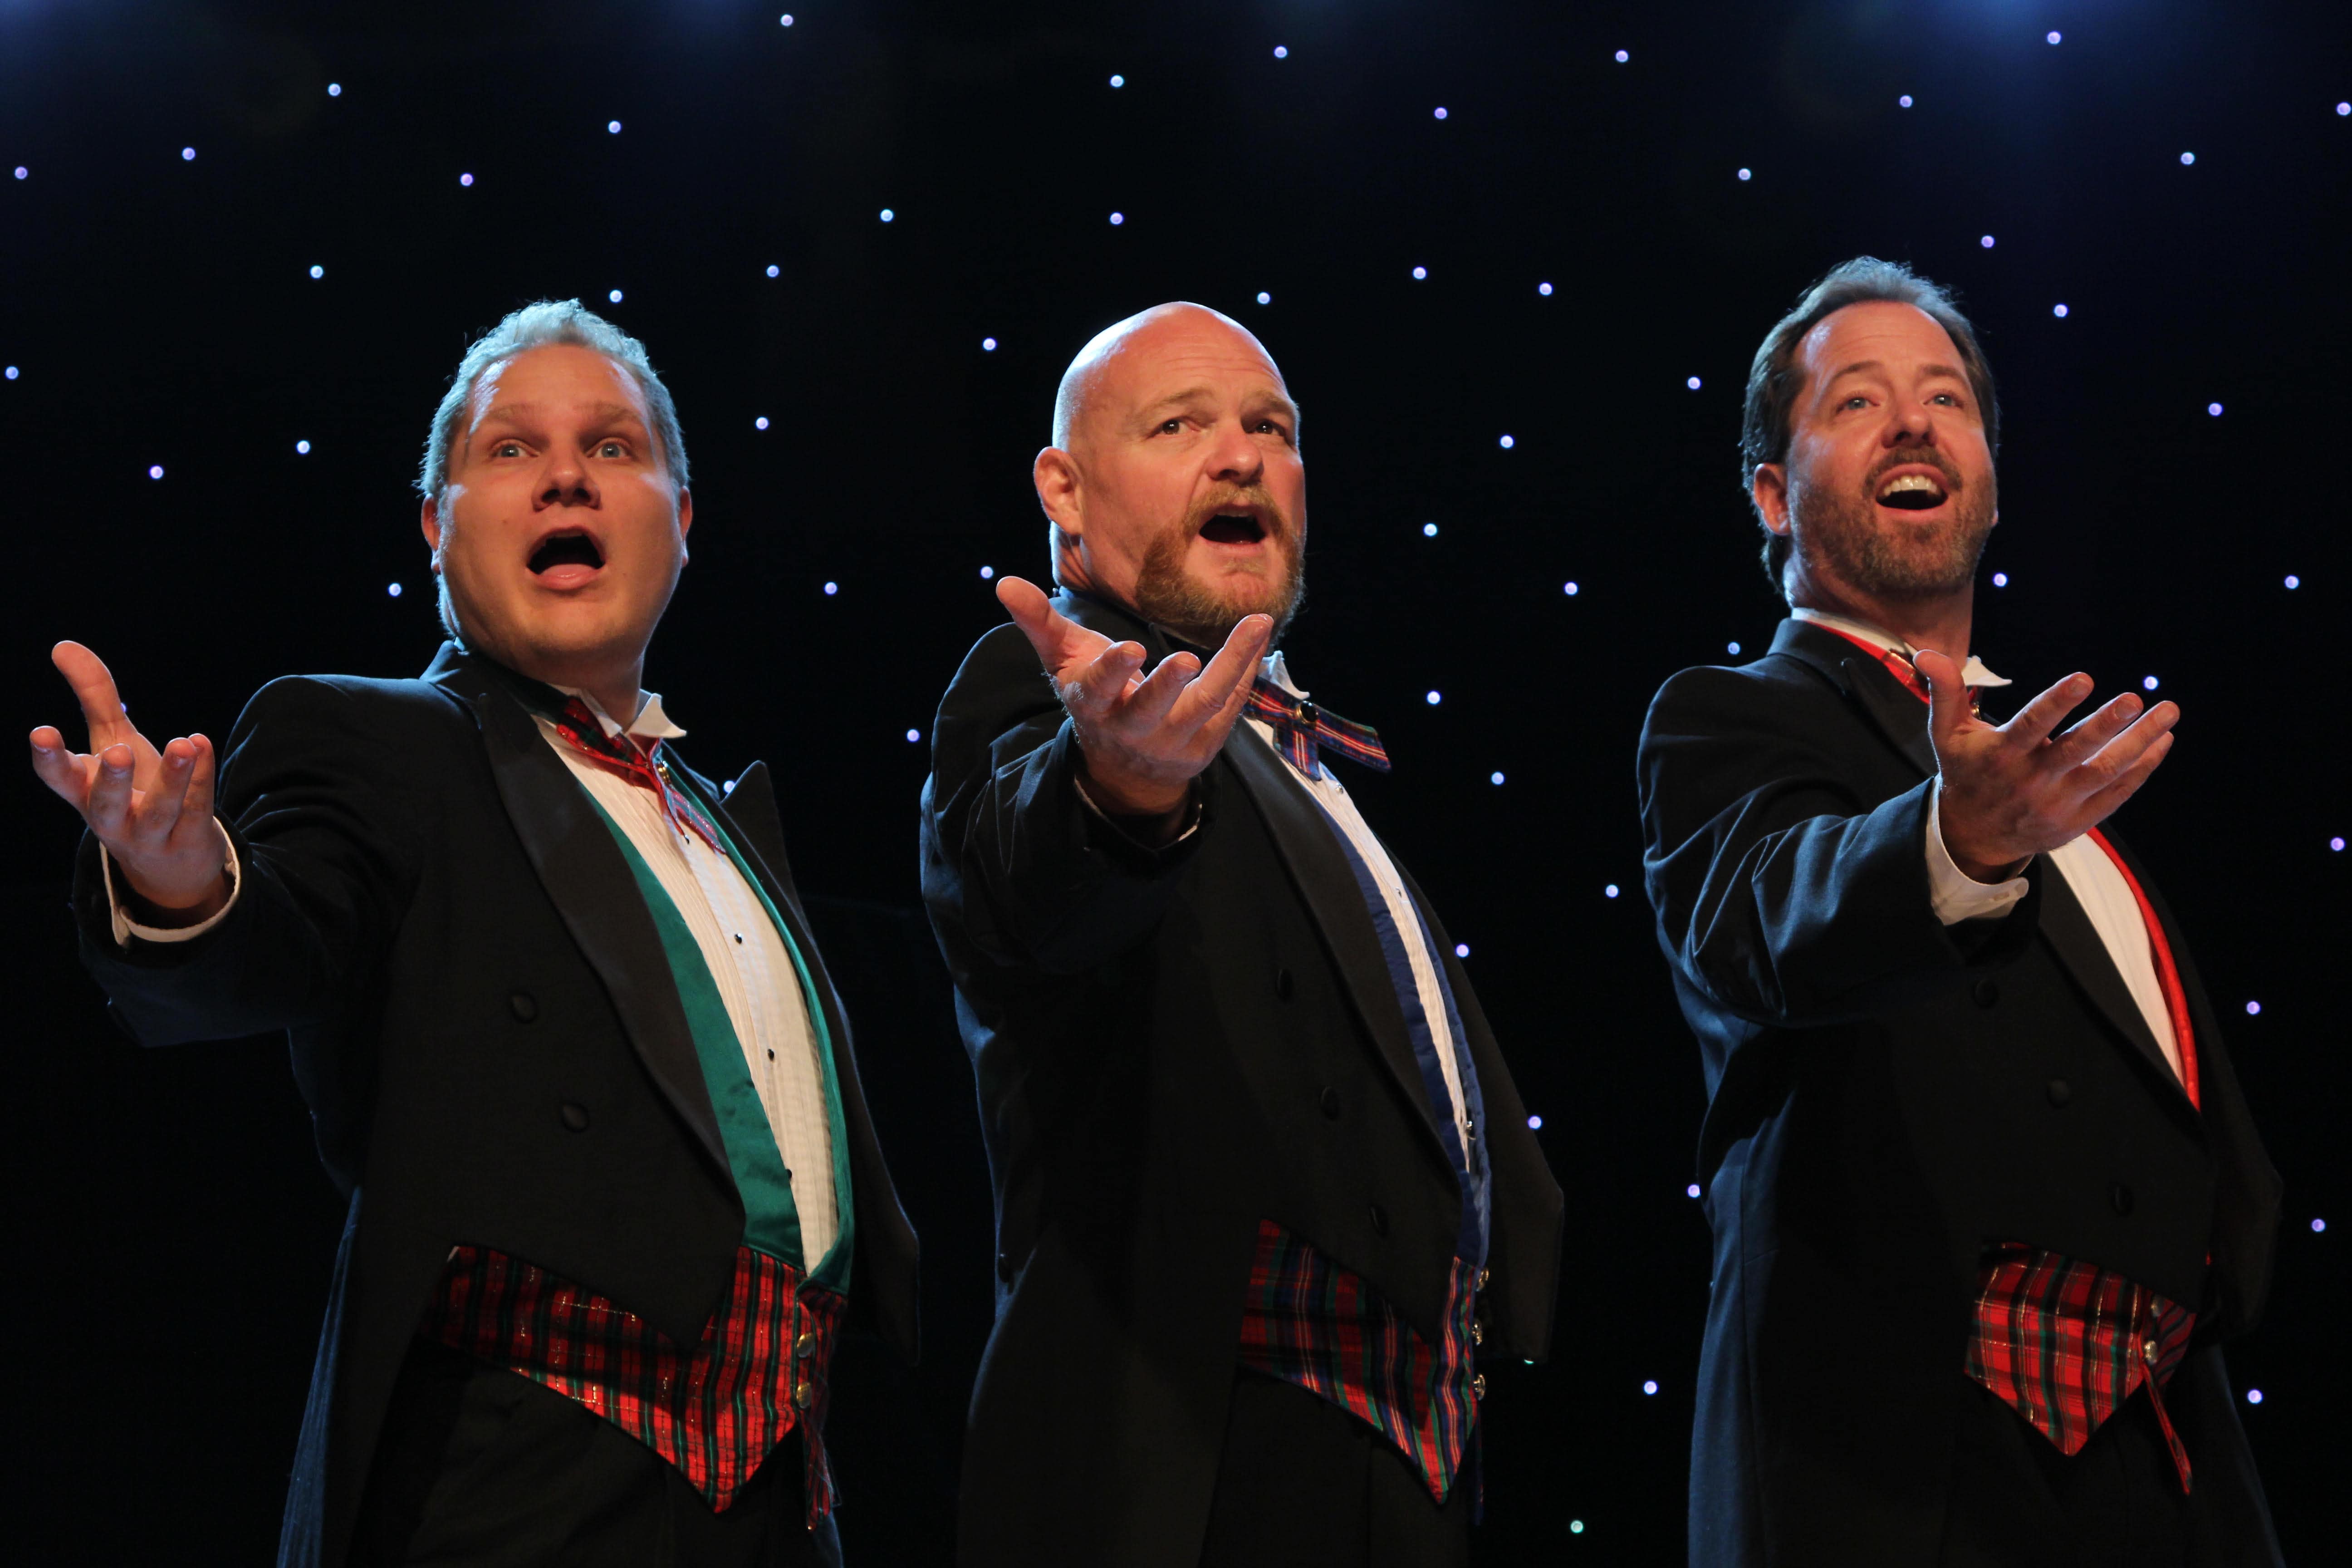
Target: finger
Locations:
point(199, 803)
point(2114, 759)
point(93, 687)
point(1150, 703)
point(2035, 721)
point(1104, 681)
point(2084, 738)
point(60, 768)
point(107, 807)
point(155, 809)
point(1948, 694)
point(1225, 685)
point(1060, 641)
point(2103, 803)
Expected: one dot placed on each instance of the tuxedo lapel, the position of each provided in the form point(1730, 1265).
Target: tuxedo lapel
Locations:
point(1318, 868)
point(592, 889)
point(1893, 709)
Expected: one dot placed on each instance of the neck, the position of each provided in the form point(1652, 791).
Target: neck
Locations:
point(616, 686)
point(1941, 622)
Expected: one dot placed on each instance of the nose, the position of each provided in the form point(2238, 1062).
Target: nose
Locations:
point(1910, 426)
point(566, 480)
point(1234, 458)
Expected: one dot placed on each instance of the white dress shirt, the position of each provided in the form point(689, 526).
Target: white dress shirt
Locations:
point(1333, 797)
point(2096, 885)
point(749, 963)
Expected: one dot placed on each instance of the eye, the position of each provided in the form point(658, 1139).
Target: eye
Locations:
point(507, 450)
point(1948, 398)
point(611, 450)
point(1856, 401)
point(1170, 428)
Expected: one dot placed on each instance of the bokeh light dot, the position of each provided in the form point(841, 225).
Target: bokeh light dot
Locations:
point(1434, 697)
point(303, 447)
point(1904, 100)
point(1623, 57)
point(1280, 53)
point(615, 296)
point(1421, 272)
point(1508, 443)
point(318, 272)
point(2001, 579)
point(1544, 289)
point(1650, 1385)
point(1263, 298)
point(1429, 530)
point(2054, 37)
point(914, 734)
point(155, 471)
point(2343, 109)
point(761, 423)
point(1747, 174)
point(2253, 1009)
point(22, 172)
point(1985, 240)
point(2059, 311)
point(12, 372)
point(1441, 113)
point(988, 345)
point(334, 89)
point(2254, 1396)
point(2317, 1225)
point(1461, 950)
point(1576, 1525)
point(2188, 158)
point(464, 179)
point(1731, 648)
point(1535, 1123)
point(2292, 581)
point(1119, 82)
point(2214, 409)
point(774, 271)
point(1494, 778)
point(2336, 844)
point(613, 127)
point(1609, 891)
point(830, 589)
point(986, 572)
point(1117, 219)
point(1569, 589)
point(187, 155)
point(888, 216)
point(785, 20)
point(1692, 1191)
point(2148, 683)
point(1692, 383)
point(393, 589)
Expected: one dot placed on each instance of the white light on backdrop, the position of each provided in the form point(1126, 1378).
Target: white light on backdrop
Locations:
point(2059, 311)
point(318, 272)
point(1280, 53)
point(303, 447)
point(988, 345)
point(613, 127)
point(1263, 298)
point(1747, 174)
point(187, 155)
point(761, 423)
point(1508, 443)
point(1692, 384)
point(334, 89)
point(464, 179)
point(1441, 113)
point(1421, 272)
point(1623, 57)
point(1117, 219)
point(1904, 100)
point(1119, 82)
point(615, 296)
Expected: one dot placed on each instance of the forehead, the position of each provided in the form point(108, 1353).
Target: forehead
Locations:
point(1894, 334)
point(1185, 352)
point(561, 377)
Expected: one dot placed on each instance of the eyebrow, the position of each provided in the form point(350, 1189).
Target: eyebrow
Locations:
point(598, 413)
point(1866, 364)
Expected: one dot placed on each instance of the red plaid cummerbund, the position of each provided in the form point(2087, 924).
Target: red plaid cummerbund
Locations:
point(714, 1410)
point(1311, 1322)
point(2064, 1344)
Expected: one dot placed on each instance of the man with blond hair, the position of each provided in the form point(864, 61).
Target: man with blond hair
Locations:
point(1265, 1197)
point(572, 1054)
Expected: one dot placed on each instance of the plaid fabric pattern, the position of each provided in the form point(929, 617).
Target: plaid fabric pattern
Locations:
point(2064, 1344)
point(1301, 728)
point(640, 764)
point(1311, 1322)
point(714, 1410)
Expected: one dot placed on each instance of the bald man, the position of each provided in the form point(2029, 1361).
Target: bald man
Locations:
point(1264, 1193)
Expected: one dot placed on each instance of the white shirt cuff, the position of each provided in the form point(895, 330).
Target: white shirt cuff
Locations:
point(1954, 895)
point(125, 928)
point(1191, 818)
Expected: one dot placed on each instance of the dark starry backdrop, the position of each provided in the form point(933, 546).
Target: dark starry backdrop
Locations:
point(170, 1235)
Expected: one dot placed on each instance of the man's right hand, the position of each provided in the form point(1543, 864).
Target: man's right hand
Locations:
point(153, 810)
point(2013, 791)
point(1143, 740)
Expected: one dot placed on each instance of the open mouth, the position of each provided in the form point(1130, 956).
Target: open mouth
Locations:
point(1233, 528)
point(565, 550)
point(1912, 492)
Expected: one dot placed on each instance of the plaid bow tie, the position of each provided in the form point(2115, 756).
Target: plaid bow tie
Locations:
point(1301, 728)
point(640, 764)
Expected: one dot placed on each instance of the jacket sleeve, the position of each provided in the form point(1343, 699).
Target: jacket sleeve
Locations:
point(1014, 863)
point(329, 843)
point(1783, 896)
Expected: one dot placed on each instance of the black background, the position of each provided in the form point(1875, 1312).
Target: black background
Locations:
point(170, 1233)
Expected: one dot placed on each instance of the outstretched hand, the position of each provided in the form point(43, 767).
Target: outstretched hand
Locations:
point(152, 810)
point(1142, 738)
point(2015, 790)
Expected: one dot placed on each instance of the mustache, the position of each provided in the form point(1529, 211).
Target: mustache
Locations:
point(1923, 456)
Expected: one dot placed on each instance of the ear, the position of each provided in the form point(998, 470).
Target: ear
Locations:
point(685, 513)
point(428, 518)
point(1769, 488)
point(1059, 490)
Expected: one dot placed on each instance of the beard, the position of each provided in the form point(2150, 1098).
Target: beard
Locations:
point(1205, 613)
point(1845, 534)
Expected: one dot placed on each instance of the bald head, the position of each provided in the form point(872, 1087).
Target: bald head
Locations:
point(1135, 338)
point(1174, 482)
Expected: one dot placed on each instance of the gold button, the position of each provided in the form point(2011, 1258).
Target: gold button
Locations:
point(803, 1394)
point(1478, 1386)
point(1477, 1332)
point(805, 1346)
point(2147, 1350)
point(1483, 1276)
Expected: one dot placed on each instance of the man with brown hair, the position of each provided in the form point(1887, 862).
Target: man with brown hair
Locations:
point(1986, 1197)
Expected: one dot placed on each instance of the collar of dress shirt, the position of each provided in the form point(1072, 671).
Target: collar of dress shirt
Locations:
point(650, 723)
point(1974, 672)
point(1279, 673)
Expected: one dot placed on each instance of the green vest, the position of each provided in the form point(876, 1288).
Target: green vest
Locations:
point(771, 1223)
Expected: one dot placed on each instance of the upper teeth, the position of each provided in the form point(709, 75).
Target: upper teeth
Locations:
point(1902, 483)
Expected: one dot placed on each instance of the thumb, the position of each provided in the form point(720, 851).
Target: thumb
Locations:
point(1948, 694)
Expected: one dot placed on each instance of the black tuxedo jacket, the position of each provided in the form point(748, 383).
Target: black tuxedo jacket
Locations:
point(1170, 1048)
point(435, 913)
point(1886, 1095)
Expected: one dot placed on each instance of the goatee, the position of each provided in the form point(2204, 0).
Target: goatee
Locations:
point(1204, 615)
point(1907, 561)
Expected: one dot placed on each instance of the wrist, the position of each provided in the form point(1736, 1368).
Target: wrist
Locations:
point(1119, 793)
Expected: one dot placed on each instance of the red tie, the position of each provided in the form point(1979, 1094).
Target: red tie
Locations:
point(640, 764)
